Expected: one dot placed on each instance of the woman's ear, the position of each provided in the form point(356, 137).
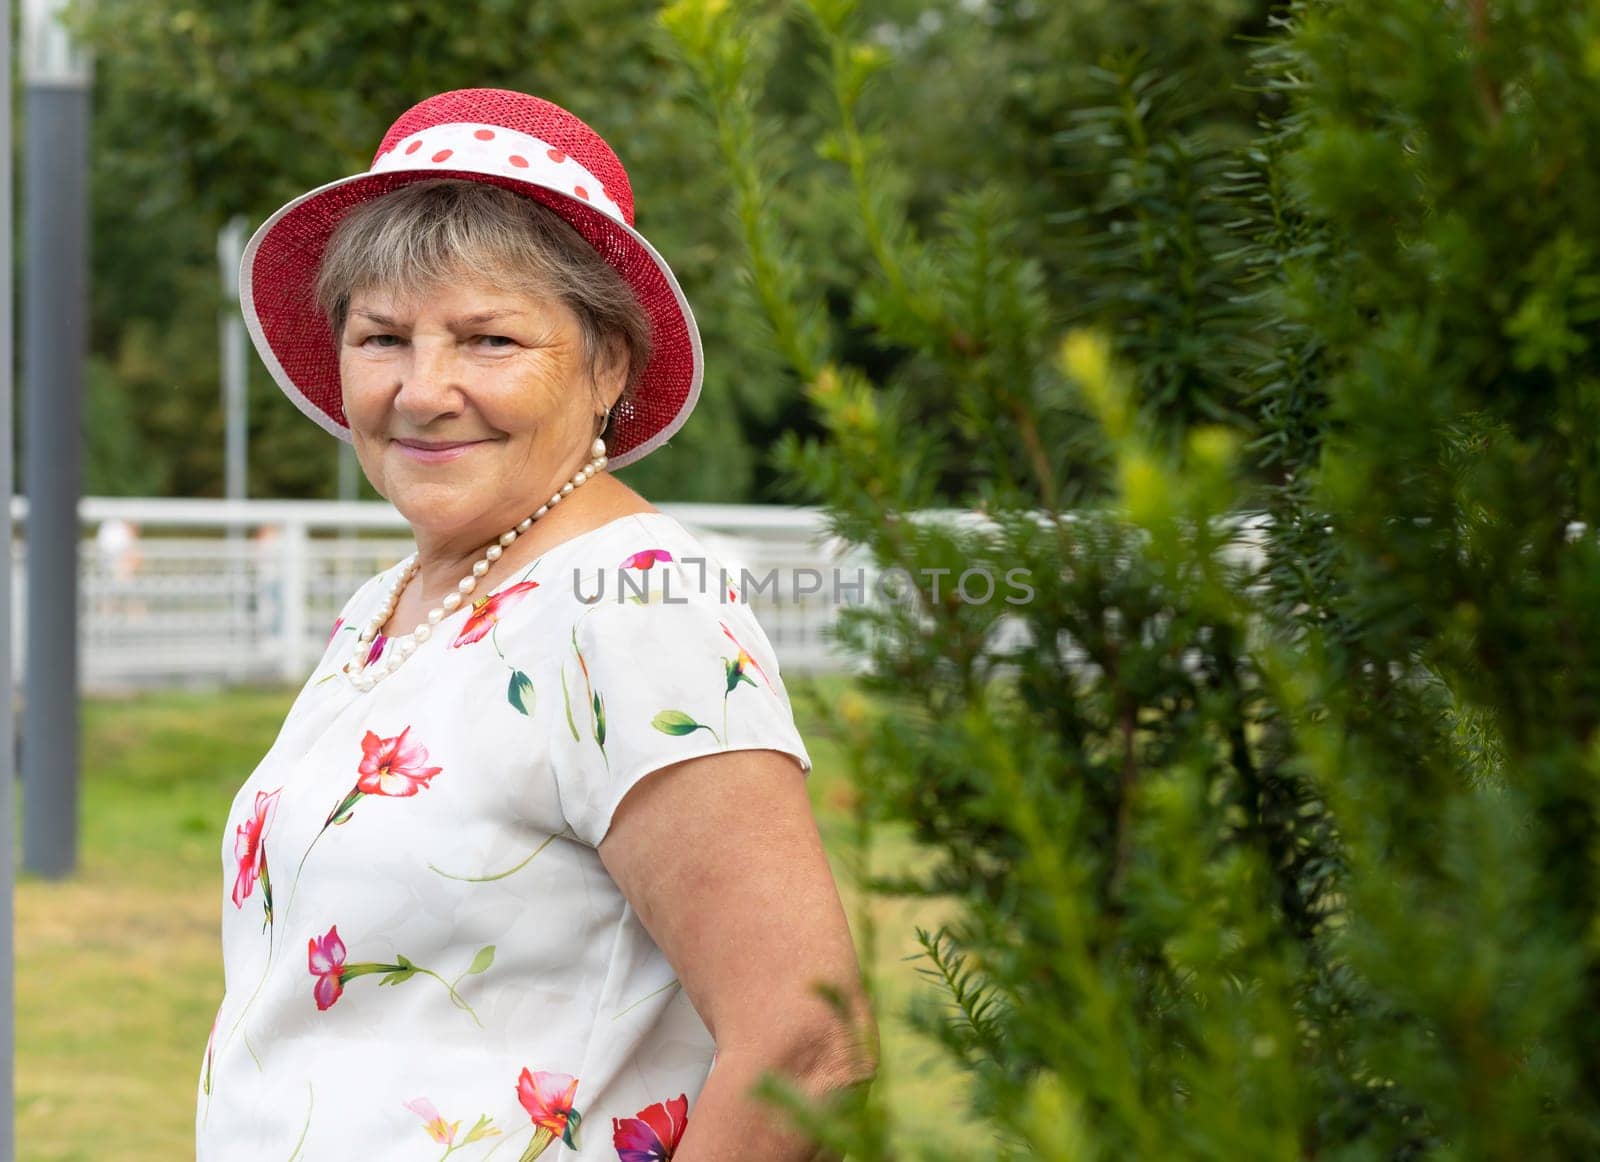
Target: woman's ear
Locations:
point(611, 373)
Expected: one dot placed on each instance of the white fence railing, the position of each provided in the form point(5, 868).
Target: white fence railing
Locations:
point(179, 592)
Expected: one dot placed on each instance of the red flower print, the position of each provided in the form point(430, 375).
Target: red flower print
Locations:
point(338, 622)
point(645, 558)
point(248, 849)
point(653, 1134)
point(548, 1099)
point(393, 766)
point(486, 612)
point(325, 957)
point(389, 766)
point(736, 668)
point(377, 649)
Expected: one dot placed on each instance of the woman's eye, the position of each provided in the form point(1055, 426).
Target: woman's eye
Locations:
point(497, 340)
point(380, 340)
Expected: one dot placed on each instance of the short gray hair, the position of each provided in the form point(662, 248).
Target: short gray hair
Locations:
point(432, 232)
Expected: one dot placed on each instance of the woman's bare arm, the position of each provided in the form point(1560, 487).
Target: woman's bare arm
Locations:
point(721, 859)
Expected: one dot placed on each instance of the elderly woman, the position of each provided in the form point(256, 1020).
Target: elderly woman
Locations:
point(545, 782)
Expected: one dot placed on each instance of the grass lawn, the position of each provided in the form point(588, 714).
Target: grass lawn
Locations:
point(118, 969)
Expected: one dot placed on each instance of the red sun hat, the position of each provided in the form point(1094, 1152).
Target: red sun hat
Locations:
point(521, 143)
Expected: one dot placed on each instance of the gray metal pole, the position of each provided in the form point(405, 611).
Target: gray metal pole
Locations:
point(349, 473)
point(235, 369)
point(8, 736)
point(349, 484)
point(230, 323)
point(55, 315)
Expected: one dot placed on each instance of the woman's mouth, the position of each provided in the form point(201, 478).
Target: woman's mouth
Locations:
point(434, 451)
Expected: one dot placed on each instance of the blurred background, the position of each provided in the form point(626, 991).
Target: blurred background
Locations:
point(206, 118)
point(1263, 337)
point(221, 531)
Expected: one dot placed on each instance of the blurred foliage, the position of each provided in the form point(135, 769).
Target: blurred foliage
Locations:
point(1271, 805)
point(205, 111)
point(1268, 840)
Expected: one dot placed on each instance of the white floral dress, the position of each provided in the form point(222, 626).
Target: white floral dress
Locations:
point(423, 954)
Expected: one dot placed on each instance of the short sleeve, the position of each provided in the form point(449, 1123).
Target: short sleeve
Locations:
point(645, 685)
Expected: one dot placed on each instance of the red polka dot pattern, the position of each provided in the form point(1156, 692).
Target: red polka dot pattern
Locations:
point(519, 162)
point(555, 155)
point(484, 135)
point(414, 146)
point(581, 192)
point(443, 155)
point(549, 122)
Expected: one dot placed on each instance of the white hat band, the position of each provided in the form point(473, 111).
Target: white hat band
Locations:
point(494, 149)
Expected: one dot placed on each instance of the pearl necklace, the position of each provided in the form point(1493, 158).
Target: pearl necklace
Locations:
point(364, 677)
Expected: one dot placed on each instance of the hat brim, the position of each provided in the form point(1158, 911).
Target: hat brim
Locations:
point(280, 264)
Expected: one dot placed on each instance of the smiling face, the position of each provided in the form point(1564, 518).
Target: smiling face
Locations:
point(468, 406)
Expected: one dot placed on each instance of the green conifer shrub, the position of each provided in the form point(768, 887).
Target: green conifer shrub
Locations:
point(1271, 815)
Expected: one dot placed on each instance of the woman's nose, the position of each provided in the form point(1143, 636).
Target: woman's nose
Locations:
point(430, 382)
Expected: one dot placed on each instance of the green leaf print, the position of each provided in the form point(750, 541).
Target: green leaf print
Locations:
point(341, 813)
point(676, 722)
point(404, 970)
point(566, 702)
point(733, 671)
point(482, 961)
point(520, 692)
point(328, 965)
point(266, 890)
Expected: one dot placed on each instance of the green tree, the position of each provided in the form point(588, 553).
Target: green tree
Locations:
point(1270, 840)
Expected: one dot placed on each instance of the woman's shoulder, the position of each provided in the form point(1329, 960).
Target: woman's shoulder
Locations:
point(641, 525)
point(640, 580)
point(637, 580)
point(646, 558)
point(365, 595)
point(664, 662)
point(357, 608)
